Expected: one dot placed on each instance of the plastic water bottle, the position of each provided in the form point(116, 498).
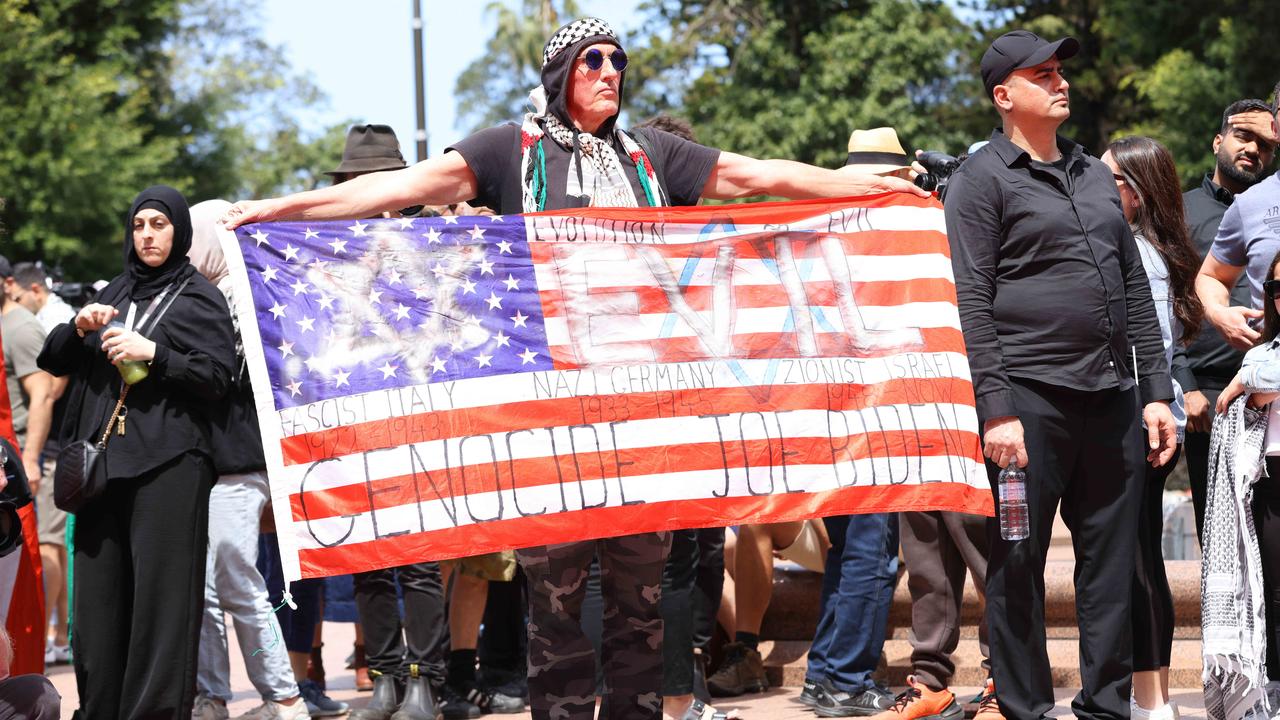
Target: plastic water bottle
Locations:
point(1015, 522)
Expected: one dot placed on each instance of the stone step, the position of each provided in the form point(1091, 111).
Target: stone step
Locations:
point(793, 611)
point(785, 663)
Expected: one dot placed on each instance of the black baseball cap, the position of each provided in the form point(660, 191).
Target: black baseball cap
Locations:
point(1021, 49)
point(6, 269)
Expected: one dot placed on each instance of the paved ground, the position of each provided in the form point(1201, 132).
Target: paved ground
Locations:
point(778, 704)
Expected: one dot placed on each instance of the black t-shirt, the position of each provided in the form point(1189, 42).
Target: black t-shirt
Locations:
point(493, 156)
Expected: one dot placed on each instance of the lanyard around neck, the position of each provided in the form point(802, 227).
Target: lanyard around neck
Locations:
point(133, 307)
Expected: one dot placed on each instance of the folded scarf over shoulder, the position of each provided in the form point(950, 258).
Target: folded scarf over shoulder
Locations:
point(1231, 595)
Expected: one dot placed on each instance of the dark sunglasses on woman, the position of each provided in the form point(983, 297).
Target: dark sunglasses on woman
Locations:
point(594, 59)
point(1271, 289)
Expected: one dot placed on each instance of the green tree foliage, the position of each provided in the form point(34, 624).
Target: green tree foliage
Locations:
point(794, 79)
point(493, 89)
point(1163, 68)
point(102, 98)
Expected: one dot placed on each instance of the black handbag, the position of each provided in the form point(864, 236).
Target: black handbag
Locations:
point(81, 473)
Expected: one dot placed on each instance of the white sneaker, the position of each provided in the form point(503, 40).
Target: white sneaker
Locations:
point(272, 710)
point(1168, 711)
point(206, 708)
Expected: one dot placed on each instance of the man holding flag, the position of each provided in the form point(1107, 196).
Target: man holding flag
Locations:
point(568, 154)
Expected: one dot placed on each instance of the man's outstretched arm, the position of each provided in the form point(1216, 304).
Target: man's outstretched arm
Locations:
point(739, 176)
point(437, 181)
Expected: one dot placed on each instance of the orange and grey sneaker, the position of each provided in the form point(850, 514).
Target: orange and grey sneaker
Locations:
point(920, 702)
point(988, 705)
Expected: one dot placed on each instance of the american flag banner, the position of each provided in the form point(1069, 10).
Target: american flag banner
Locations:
point(431, 388)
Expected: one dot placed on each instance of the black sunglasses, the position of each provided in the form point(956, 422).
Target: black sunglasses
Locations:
point(594, 59)
point(1271, 289)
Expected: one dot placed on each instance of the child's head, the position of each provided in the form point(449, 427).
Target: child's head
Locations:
point(1271, 296)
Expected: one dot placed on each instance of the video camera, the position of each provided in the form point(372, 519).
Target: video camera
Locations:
point(940, 166)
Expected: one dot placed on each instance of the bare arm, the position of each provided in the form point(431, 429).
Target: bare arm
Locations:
point(39, 389)
point(738, 176)
point(1213, 285)
point(436, 181)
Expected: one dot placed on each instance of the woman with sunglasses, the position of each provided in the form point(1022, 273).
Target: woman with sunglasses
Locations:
point(1151, 199)
point(1259, 378)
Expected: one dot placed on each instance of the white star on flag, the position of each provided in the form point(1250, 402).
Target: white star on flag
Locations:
point(468, 286)
point(313, 364)
point(502, 339)
point(295, 388)
point(476, 232)
point(472, 320)
point(269, 273)
point(402, 312)
point(440, 270)
point(278, 311)
point(339, 246)
point(326, 302)
point(358, 228)
point(394, 277)
point(484, 360)
point(286, 349)
point(486, 267)
point(405, 223)
point(455, 344)
point(421, 292)
point(495, 302)
point(527, 356)
point(519, 319)
point(450, 219)
point(504, 247)
point(309, 233)
point(318, 265)
point(512, 283)
point(437, 365)
point(432, 235)
point(375, 296)
point(388, 370)
point(340, 378)
point(290, 253)
point(299, 288)
point(307, 324)
point(259, 237)
point(496, 218)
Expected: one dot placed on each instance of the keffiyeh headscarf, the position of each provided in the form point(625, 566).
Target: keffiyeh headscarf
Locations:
point(550, 117)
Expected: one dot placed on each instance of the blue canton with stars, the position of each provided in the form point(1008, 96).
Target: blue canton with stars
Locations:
point(347, 308)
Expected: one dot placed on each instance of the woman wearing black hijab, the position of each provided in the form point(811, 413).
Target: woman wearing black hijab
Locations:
point(140, 546)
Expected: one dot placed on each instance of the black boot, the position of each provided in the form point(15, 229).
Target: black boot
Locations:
point(418, 703)
point(384, 701)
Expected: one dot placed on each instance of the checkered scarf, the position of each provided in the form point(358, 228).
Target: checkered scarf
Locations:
point(1231, 598)
point(596, 152)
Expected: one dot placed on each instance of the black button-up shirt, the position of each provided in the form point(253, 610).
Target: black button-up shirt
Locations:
point(1211, 359)
point(1050, 283)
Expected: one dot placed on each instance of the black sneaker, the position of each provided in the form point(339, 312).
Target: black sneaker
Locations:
point(492, 702)
point(838, 703)
point(456, 707)
point(318, 704)
point(812, 693)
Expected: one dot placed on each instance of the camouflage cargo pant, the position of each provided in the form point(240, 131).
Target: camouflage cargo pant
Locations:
point(562, 676)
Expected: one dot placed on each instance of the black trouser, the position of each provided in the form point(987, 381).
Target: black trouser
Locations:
point(692, 583)
point(1152, 599)
point(1086, 450)
point(139, 578)
point(709, 586)
point(502, 644)
point(422, 643)
point(1196, 450)
point(1266, 518)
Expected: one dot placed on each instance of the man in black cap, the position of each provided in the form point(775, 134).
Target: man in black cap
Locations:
point(1055, 304)
point(569, 153)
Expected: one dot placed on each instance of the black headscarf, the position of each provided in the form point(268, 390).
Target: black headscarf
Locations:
point(141, 280)
point(555, 72)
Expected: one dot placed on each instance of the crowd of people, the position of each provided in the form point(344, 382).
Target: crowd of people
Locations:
point(1106, 316)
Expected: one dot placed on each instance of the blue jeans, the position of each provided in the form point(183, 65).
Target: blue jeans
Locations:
point(857, 590)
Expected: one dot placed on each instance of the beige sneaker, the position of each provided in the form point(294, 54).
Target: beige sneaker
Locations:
point(272, 710)
point(206, 708)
